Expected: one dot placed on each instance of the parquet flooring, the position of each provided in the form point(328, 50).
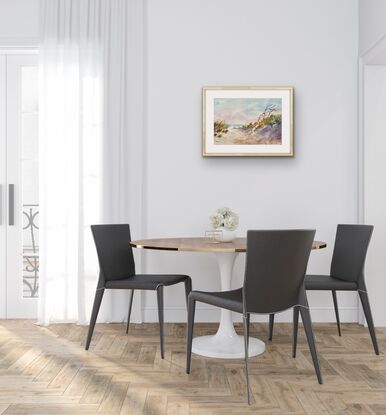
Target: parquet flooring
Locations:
point(45, 370)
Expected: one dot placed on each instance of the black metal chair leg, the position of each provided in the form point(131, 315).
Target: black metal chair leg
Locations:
point(160, 301)
point(129, 314)
point(305, 313)
point(188, 289)
point(191, 311)
point(369, 318)
point(295, 331)
point(248, 327)
point(271, 320)
point(94, 315)
point(336, 311)
point(246, 345)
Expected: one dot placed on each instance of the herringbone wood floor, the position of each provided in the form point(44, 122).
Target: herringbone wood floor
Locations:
point(45, 370)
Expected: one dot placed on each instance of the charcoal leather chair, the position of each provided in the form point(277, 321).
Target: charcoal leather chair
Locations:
point(117, 271)
point(346, 272)
point(276, 262)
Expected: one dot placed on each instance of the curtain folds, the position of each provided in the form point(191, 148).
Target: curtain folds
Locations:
point(90, 75)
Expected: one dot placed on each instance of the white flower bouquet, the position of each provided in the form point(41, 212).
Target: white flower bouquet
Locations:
point(225, 218)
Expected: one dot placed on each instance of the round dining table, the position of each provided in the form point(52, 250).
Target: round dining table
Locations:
point(226, 343)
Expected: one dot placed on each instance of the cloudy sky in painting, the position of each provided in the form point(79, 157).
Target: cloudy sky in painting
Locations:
point(242, 110)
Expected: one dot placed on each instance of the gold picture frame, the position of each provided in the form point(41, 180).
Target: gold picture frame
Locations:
point(247, 121)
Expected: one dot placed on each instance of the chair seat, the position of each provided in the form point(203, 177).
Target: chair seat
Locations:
point(326, 282)
point(146, 281)
point(230, 300)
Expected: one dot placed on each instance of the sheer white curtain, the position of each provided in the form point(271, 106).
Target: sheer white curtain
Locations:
point(90, 73)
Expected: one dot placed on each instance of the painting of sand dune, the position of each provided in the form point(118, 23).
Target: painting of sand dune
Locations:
point(249, 121)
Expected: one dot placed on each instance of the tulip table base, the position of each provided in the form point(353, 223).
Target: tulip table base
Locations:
point(226, 347)
point(226, 343)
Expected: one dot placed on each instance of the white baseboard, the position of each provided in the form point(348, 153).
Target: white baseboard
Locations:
point(212, 315)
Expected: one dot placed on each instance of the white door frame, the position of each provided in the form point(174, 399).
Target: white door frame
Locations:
point(12, 303)
point(372, 56)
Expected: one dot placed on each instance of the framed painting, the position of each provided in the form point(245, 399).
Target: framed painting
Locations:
point(247, 121)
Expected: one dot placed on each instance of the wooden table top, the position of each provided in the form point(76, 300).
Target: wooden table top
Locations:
point(200, 245)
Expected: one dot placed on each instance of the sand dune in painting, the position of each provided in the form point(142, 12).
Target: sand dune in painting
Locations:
point(247, 121)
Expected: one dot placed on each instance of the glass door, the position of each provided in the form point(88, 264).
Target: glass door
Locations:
point(20, 187)
point(3, 183)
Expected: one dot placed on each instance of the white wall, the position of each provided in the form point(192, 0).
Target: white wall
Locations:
point(192, 43)
point(250, 42)
point(19, 22)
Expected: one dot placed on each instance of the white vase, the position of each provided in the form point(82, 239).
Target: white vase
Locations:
point(227, 235)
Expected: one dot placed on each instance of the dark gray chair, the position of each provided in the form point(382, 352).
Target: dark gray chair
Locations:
point(117, 271)
point(346, 272)
point(276, 263)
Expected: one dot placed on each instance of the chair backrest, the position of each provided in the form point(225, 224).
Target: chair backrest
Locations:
point(350, 249)
point(275, 268)
point(115, 255)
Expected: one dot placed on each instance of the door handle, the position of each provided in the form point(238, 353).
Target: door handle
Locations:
point(11, 204)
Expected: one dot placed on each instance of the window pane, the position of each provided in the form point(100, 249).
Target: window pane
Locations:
point(30, 180)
